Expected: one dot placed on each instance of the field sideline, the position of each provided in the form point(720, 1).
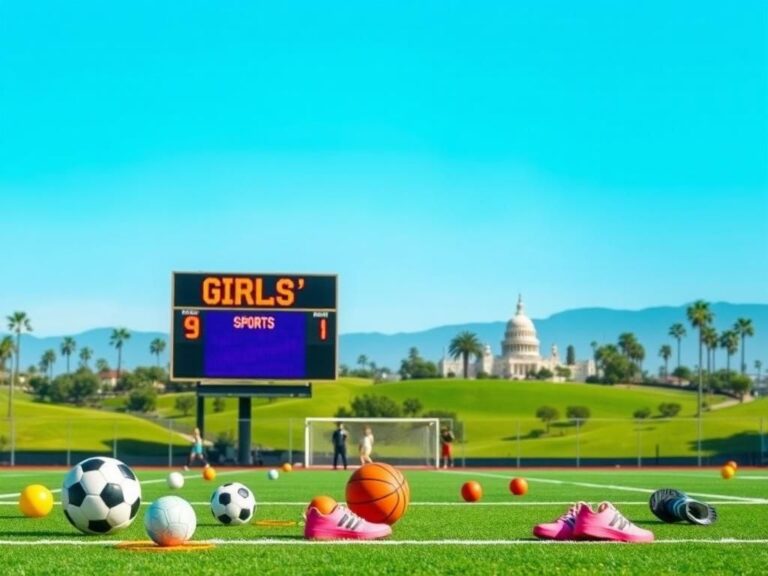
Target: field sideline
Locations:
point(440, 534)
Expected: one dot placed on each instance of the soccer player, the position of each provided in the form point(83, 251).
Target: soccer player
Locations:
point(196, 453)
point(366, 446)
point(339, 440)
point(446, 446)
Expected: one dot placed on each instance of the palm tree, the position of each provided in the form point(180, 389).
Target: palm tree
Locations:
point(744, 328)
point(665, 352)
point(7, 348)
point(102, 365)
point(759, 368)
point(47, 361)
point(465, 344)
point(710, 341)
point(117, 339)
point(362, 361)
point(17, 322)
point(156, 347)
point(677, 331)
point(85, 356)
point(700, 316)
point(68, 347)
point(729, 341)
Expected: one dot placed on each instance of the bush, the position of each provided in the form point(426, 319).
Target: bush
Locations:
point(185, 404)
point(577, 413)
point(642, 413)
point(544, 374)
point(547, 414)
point(669, 409)
point(219, 404)
point(740, 384)
point(142, 399)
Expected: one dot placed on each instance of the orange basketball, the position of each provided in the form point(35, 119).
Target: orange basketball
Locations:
point(471, 491)
point(379, 493)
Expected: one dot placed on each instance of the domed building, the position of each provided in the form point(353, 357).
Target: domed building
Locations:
point(520, 355)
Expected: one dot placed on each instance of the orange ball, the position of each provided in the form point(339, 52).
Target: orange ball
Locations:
point(518, 486)
point(286, 467)
point(378, 493)
point(732, 464)
point(727, 472)
point(471, 491)
point(209, 473)
point(324, 504)
point(35, 501)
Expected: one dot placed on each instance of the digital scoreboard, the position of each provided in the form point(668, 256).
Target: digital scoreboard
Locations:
point(271, 327)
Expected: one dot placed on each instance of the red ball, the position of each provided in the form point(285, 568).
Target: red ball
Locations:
point(471, 491)
point(518, 486)
point(378, 492)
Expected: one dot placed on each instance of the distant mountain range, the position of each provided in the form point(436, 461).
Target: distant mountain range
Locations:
point(577, 327)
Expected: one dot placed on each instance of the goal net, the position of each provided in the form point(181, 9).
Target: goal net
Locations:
point(399, 441)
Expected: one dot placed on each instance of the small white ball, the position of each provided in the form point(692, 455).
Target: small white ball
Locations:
point(175, 480)
point(170, 521)
point(273, 474)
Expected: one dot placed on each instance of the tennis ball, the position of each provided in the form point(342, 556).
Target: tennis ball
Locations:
point(727, 472)
point(209, 473)
point(471, 491)
point(518, 486)
point(35, 501)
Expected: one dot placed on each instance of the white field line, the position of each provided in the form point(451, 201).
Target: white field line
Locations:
point(611, 486)
point(153, 481)
point(447, 542)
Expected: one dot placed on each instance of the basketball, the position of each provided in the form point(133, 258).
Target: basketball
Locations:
point(471, 491)
point(378, 493)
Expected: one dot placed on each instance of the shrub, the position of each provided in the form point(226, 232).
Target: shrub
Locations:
point(578, 413)
point(642, 413)
point(547, 414)
point(669, 409)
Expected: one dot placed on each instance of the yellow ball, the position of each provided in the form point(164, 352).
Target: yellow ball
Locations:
point(209, 473)
point(287, 467)
point(36, 501)
point(727, 472)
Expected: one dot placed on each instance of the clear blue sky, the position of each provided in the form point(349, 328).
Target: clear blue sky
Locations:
point(439, 156)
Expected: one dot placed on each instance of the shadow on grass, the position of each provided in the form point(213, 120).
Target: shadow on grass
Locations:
point(747, 443)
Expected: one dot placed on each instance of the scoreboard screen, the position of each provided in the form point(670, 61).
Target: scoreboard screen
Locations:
point(253, 327)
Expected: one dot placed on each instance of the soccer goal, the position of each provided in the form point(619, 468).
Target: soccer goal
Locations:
point(401, 441)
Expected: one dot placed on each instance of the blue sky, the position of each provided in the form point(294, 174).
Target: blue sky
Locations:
point(439, 156)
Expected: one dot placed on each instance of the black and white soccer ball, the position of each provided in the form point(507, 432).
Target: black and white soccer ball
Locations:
point(100, 496)
point(233, 503)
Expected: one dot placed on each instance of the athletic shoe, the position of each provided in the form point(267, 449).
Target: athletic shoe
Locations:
point(342, 524)
point(560, 529)
point(671, 505)
point(607, 524)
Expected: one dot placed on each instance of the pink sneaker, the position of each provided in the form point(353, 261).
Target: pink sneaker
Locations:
point(562, 528)
point(342, 524)
point(607, 524)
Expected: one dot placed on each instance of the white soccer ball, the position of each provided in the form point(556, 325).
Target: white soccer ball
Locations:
point(100, 496)
point(170, 521)
point(175, 480)
point(273, 474)
point(233, 503)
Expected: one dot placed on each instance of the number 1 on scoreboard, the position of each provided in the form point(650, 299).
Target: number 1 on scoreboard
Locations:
point(323, 329)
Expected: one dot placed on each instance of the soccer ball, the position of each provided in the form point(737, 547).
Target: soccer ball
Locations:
point(273, 474)
point(100, 496)
point(233, 503)
point(175, 480)
point(170, 521)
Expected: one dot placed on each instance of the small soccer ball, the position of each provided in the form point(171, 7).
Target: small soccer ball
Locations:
point(175, 480)
point(209, 473)
point(170, 521)
point(100, 496)
point(518, 486)
point(471, 491)
point(233, 504)
point(273, 474)
point(287, 467)
point(35, 501)
point(727, 472)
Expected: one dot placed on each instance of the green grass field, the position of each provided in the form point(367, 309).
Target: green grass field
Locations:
point(438, 535)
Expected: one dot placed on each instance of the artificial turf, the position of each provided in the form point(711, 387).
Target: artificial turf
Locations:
point(439, 534)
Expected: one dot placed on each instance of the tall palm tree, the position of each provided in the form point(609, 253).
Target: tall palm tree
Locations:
point(362, 361)
point(710, 339)
point(67, 348)
point(47, 361)
point(665, 352)
point(85, 356)
point(17, 322)
point(677, 331)
point(7, 348)
point(102, 365)
point(156, 347)
point(465, 344)
point(700, 316)
point(759, 368)
point(117, 339)
point(744, 328)
point(729, 341)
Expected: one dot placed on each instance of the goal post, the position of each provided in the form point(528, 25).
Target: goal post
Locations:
point(400, 441)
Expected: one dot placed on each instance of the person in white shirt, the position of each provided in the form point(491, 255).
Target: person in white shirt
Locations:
point(366, 446)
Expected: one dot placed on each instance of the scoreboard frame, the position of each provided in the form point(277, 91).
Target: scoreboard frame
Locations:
point(269, 297)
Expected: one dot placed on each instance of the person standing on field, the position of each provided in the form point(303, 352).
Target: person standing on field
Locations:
point(339, 440)
point(366, 446)
point(446, 446)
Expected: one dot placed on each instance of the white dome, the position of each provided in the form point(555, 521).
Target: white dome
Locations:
point(520, 336)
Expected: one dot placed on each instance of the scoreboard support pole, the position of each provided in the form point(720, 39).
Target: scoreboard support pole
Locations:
point(200, 412)
point(244, 431)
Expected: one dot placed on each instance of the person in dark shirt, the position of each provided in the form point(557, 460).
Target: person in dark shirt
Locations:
point(339, 440)
point(446, 445)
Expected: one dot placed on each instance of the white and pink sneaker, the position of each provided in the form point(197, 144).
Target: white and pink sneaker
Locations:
point(560, 529)
point(342, 524)
point(607, 524)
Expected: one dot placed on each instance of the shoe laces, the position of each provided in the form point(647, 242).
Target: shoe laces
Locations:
point(569, 517)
